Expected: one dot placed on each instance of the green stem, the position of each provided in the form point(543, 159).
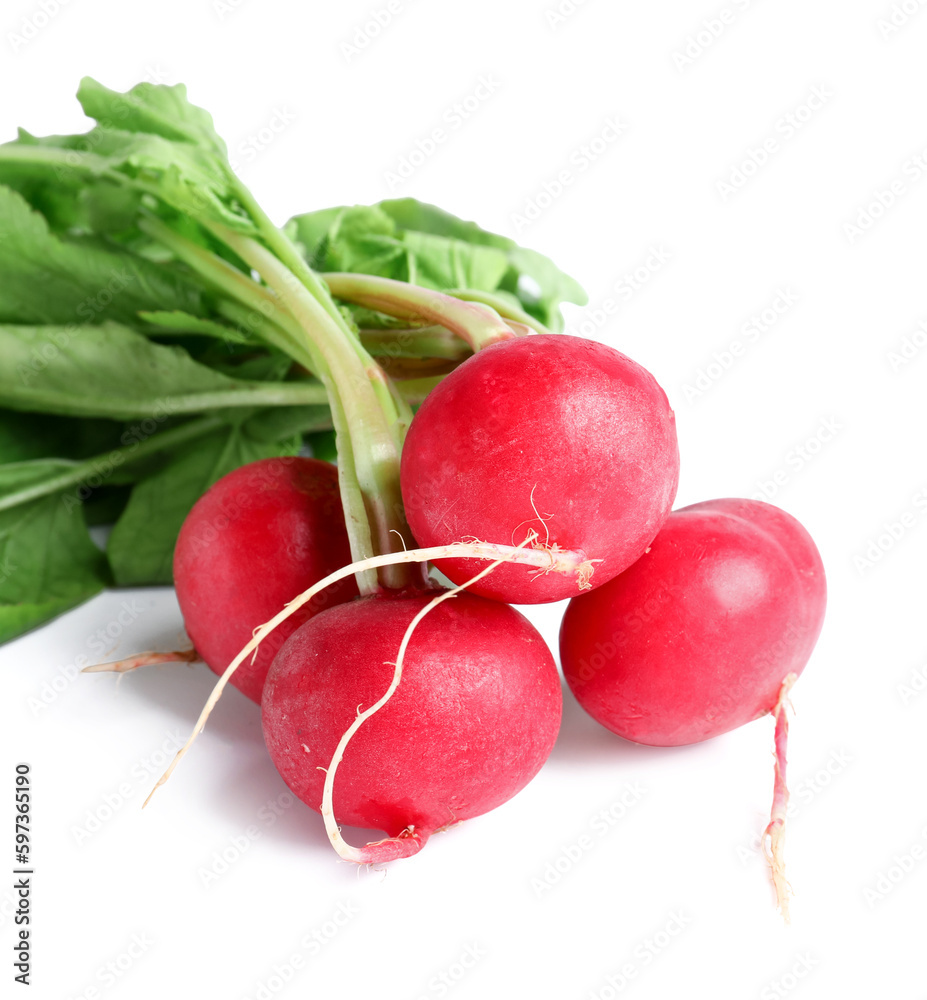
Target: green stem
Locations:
point(414, 390)
point(396, 411)
point(253, 321)
point(18, 152)
point(280, 328)
point(82, 471)
point(276, 324)
point(478, 324)
point(417, 342)
point(374, 438)
point(502, 306)
point(284, 248)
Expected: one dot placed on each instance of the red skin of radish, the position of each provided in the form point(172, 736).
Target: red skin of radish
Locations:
point(696, 638)
point(474, 717)
point(256, 539)
point(584, 427)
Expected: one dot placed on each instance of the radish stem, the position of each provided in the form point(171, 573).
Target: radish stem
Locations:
point(476, 323)
point(507, 310)
point(375, 416)
point(416, 342)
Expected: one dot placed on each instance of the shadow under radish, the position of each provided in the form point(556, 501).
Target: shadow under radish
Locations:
point(584, 741)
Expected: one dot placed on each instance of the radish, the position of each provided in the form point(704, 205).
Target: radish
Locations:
point(705, 632)
point(474, 718)
point(258, 537)
point(556, 434)
point(542, 561)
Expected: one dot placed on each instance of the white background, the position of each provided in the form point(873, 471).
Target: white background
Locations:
point(683, 845)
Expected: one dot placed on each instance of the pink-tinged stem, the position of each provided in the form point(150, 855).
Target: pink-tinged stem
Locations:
point(774, 835)
point(143, 660)
point(476, 323)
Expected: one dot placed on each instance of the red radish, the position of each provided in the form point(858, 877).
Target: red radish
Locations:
point(556, 434)
point(475, 716)
point(258, 537)
point(705, 632)
point(698, 635)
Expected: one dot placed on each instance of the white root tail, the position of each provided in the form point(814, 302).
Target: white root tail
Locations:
point(409, 841)
point(774, 835)
point(143, 660)
point(544, 560)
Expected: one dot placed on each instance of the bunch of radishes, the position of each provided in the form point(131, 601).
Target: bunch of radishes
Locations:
point(538, 467)
point(547, 464)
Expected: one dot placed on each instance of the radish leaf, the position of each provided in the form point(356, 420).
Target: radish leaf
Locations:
point(112, 371)
point(50, 279)
point(141, 546)
point(48, 563)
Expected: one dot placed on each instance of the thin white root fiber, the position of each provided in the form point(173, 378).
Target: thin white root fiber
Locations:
point(142, 660)
point(344, 849)
point(544, 560)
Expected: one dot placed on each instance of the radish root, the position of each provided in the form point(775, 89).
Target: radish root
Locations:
point(774, 835)
point(543, 518)
point(408, 842)
point(544, 560)
point(143, 660)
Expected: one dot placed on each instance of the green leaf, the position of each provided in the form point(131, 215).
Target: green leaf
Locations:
point(419, 216)
point(194, 181)
point(178, 322)
point(48, 563)
point(365, 240)
point(105, 505)
point(68, 185)
point(271, 367)
point(149, 140)
point(554, 286)
point(540, 296)
point(109, 208)
point(50, 279)
point(359, 238)
point(322, 445)
point(39, 435)
point(154, 108)
point(310, 230)
point(443, 263)
point(408, 240)
point(141, 546)
point(112, 371)
point(285, 422)
point(24, 438)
